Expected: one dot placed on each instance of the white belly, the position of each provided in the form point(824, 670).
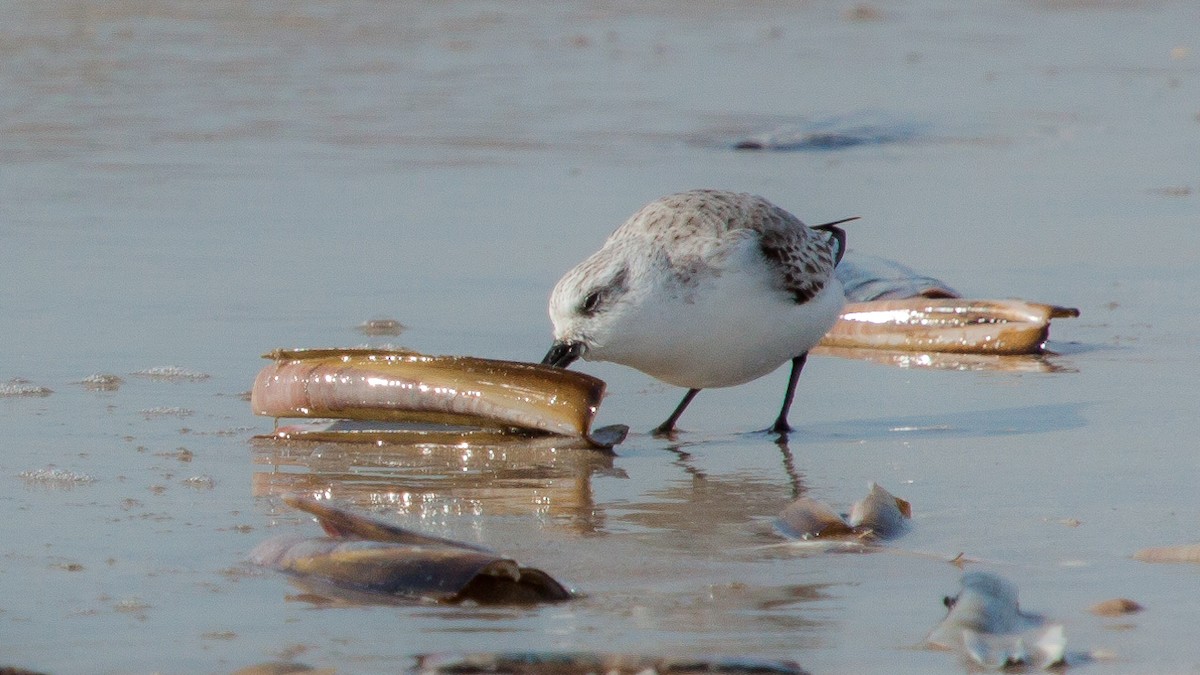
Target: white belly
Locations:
point(725, 331)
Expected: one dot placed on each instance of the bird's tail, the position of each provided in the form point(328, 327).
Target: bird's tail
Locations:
point(839, 237)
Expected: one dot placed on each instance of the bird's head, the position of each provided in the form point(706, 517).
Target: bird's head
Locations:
point(586, 307)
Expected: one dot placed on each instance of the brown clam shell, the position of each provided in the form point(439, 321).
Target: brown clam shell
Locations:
point(367, 557)
point(946, 325)
point(404, 386)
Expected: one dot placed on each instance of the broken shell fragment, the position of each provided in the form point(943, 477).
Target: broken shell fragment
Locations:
point(368, 558)
point(879, 515)
point(986, 625)
point(807, 518)
point(1115, 607)
point(987, 603)
point(1188, 553)
point(381, 327)
point(866, 277)
point(946, 325)
point(405, 386)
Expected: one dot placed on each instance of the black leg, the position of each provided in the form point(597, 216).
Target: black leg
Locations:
point(668, 428)
point(781, 423)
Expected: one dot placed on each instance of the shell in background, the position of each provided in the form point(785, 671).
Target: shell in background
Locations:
point(895, 308)
point(866, 278)
point(946, 325)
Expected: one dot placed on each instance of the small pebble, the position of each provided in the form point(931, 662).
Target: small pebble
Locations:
point(381, 327)
point(1115, 607)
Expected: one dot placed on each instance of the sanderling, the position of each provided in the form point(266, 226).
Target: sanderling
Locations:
point(703, 289)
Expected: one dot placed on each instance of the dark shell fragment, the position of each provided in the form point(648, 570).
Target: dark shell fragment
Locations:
point(366, 556)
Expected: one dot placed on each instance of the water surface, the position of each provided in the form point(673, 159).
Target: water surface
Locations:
point(192, 185)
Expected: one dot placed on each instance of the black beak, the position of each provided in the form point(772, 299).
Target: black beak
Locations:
point(561, 354)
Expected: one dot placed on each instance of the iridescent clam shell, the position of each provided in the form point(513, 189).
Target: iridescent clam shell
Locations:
point(405, 386)
point(946, 325)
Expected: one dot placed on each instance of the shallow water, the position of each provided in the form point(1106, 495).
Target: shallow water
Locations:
point(192, 185)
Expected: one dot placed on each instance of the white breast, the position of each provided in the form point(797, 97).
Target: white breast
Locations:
point(724, 329)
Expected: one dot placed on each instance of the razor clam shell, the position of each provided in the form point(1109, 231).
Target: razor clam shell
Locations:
point(946, 325)
point(385, 385)
point(880, 513)
point(365, 556)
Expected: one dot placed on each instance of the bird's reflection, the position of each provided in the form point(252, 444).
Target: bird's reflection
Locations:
point(789, 466)
point(708, 511)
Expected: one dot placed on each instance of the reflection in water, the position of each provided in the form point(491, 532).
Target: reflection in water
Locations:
point(711, 513)
point(514, 477)
point(789, 463)
point(772, 617)
point(584, 663)
point(789, 466)
point(1020, 363)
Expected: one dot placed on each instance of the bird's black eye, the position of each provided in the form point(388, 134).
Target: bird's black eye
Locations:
point(592, 302)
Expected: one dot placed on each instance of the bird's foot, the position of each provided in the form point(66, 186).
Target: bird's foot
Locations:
point(664, 430)
point(780, 427)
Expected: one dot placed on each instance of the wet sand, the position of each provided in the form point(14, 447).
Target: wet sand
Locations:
point(193, 185)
